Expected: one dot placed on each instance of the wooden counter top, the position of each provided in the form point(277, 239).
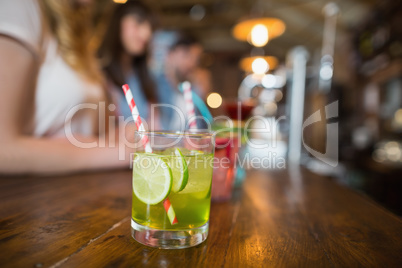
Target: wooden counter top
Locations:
point(278, 219)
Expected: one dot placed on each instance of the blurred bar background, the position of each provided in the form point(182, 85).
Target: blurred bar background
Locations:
point(353, 54)
point(323, 78)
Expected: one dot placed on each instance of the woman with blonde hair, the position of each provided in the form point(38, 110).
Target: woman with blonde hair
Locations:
point(52, 98)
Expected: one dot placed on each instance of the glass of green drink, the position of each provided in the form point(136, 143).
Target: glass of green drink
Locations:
point(172, 188)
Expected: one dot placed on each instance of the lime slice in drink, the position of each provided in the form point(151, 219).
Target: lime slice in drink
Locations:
point(180, 171)
point(152, 178)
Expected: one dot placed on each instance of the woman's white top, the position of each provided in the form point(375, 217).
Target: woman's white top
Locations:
point(65, 102)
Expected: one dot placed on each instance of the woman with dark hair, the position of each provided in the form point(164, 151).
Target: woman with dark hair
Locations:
point(124, 56)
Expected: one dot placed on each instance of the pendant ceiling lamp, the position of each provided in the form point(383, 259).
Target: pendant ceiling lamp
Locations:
point(247, 63)
point(258, 31)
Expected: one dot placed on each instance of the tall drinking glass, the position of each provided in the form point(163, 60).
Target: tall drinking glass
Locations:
point(172, 189)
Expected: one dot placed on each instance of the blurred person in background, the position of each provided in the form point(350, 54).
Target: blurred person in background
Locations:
point(181, 61)
point(48, 69)
point(124, 56)
point(202, 80)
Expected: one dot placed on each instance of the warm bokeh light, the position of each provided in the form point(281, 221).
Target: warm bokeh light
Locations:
point(278, 95)
point(379, 155)
point(398, 116)
point(214, 100)
point(259, 35)
point(270, 108)
point(246, 63)
point(259, 66)
point(242, 30)
point(391, 145)
point(120, 1)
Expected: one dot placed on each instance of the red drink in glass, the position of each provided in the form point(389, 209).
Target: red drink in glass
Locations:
point(224, 168)
point(239, 110)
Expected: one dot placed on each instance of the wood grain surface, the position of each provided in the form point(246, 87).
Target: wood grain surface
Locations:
point(289, 218)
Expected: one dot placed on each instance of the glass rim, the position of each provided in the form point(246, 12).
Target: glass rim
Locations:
point(176, 134)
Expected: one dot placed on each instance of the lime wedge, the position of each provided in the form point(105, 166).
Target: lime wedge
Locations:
point(180, 171)
point(152, 178)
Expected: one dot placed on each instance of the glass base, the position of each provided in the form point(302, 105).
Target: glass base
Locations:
point(169, 239)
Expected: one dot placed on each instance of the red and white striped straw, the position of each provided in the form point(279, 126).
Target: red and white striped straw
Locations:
point(170, 212)
point(188, 98)
point(136, 116)
point(140, 127)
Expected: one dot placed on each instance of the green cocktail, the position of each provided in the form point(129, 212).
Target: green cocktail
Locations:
point(182, 174)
